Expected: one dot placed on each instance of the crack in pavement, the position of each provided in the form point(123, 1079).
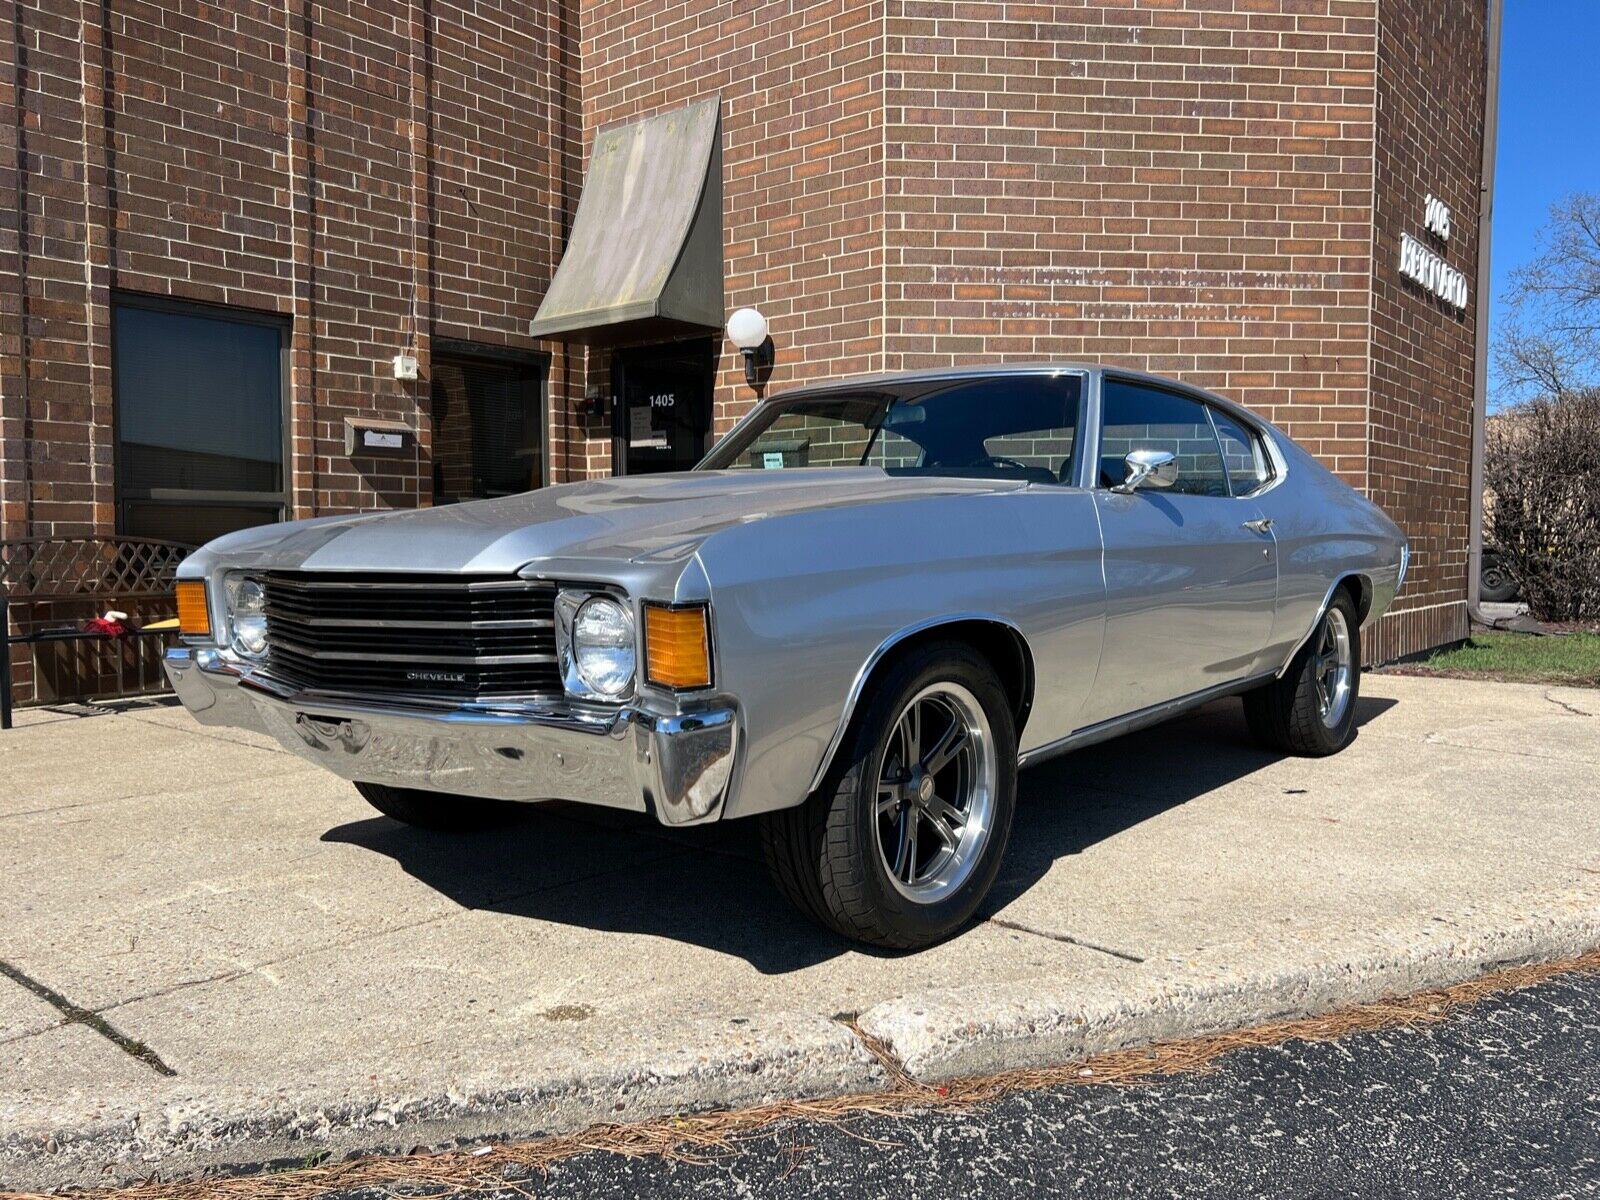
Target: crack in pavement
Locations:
point(163, 791)
point(488, 901)
point(34, 812)
point(1439, 739)
point(195, 729)
point(900, 1079)
point(33, 1033)
point(346, 943)
point(1067, 938)
point(77, 1015)
point(1577, 712)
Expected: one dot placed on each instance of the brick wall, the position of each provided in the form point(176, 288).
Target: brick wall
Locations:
point(1430, 130)
point(1181, 187)
point(801, 83)
point(382, 173)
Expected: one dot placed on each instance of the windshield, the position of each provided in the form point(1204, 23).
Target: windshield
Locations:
point(1003, 427)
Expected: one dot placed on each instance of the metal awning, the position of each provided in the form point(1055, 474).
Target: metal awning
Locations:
point(645, 256)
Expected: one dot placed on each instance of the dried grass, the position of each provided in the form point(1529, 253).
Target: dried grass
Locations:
point(704, 1137)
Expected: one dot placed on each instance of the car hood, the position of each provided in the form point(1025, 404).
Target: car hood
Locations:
point(605, 519)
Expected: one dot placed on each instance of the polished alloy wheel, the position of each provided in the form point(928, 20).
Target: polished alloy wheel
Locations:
point(1334, 668)
point(935, 795)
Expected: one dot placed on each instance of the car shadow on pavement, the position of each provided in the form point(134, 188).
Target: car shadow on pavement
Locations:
point(615, 872)
point(1067, 804)
point(706, 886)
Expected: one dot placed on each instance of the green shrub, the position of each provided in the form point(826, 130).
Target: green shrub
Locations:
point(1542, 462)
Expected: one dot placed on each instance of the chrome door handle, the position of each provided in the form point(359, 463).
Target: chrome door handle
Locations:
point(1259, 526)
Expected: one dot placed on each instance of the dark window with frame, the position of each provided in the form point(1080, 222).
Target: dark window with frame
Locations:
point(199, 417)
point(1137, 417)
point(488, 426)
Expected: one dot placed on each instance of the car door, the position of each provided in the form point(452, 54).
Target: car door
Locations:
point(1190, 570)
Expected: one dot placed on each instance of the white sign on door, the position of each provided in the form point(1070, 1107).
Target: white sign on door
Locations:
point(641, 430)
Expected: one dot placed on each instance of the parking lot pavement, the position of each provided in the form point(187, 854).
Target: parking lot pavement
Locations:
point(312, 975)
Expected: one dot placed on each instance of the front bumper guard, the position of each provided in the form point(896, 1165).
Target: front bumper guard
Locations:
point(678, 766)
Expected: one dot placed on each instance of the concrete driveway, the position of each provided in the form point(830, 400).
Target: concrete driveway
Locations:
point(213, 953)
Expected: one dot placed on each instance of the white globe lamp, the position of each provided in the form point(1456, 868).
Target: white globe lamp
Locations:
point(747, 329)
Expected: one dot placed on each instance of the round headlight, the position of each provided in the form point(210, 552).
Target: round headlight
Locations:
point(602, 647)
point(248, 619)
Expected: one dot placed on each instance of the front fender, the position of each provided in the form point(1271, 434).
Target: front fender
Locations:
point(806, 606)
point(859, 683)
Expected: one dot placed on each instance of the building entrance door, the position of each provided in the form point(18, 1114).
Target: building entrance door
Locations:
point(663, 406)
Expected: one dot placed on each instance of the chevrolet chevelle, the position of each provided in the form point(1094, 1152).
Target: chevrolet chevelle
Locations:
point(871, 604)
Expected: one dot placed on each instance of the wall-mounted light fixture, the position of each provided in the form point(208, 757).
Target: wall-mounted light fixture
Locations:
point(592, 404)
point(747, 329)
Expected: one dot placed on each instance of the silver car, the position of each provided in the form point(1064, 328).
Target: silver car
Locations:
point(855, 621)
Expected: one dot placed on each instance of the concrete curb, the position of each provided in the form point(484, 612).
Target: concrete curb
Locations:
point(767, 1059)
point(976, 1030)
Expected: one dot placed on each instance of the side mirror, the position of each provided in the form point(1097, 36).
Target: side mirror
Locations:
point(1148, 468)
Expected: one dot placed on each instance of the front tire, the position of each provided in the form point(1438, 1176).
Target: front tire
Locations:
point(439, 811)
point(1311, 711)
point(903, 840)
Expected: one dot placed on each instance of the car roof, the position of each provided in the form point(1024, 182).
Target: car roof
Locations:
point(893, 380)
point(851, 383)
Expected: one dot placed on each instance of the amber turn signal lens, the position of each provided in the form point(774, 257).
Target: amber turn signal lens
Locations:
point(677, 649)
point(194, 618)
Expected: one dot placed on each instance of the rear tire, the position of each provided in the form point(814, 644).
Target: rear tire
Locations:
point(904, 838)
point(1311, 711)
point(439, 810)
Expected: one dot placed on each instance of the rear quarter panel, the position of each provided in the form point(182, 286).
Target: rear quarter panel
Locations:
point(803, 601)
point(1325, 530)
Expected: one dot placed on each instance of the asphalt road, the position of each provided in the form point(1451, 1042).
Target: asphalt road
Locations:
point(1502, 1099)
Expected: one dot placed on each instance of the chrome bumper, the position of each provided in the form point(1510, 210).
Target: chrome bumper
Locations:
point(675, 765)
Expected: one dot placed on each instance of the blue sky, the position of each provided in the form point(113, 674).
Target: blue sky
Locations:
point(1549, 123)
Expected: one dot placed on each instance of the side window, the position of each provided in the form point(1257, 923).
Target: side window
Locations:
point(1145, 418)
point(1242, 453)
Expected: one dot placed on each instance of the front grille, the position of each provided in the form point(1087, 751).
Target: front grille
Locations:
point(411, 637)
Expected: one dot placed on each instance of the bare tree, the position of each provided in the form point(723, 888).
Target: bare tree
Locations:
point(1549, 344)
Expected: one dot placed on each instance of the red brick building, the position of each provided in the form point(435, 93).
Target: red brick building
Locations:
point(221, 224)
